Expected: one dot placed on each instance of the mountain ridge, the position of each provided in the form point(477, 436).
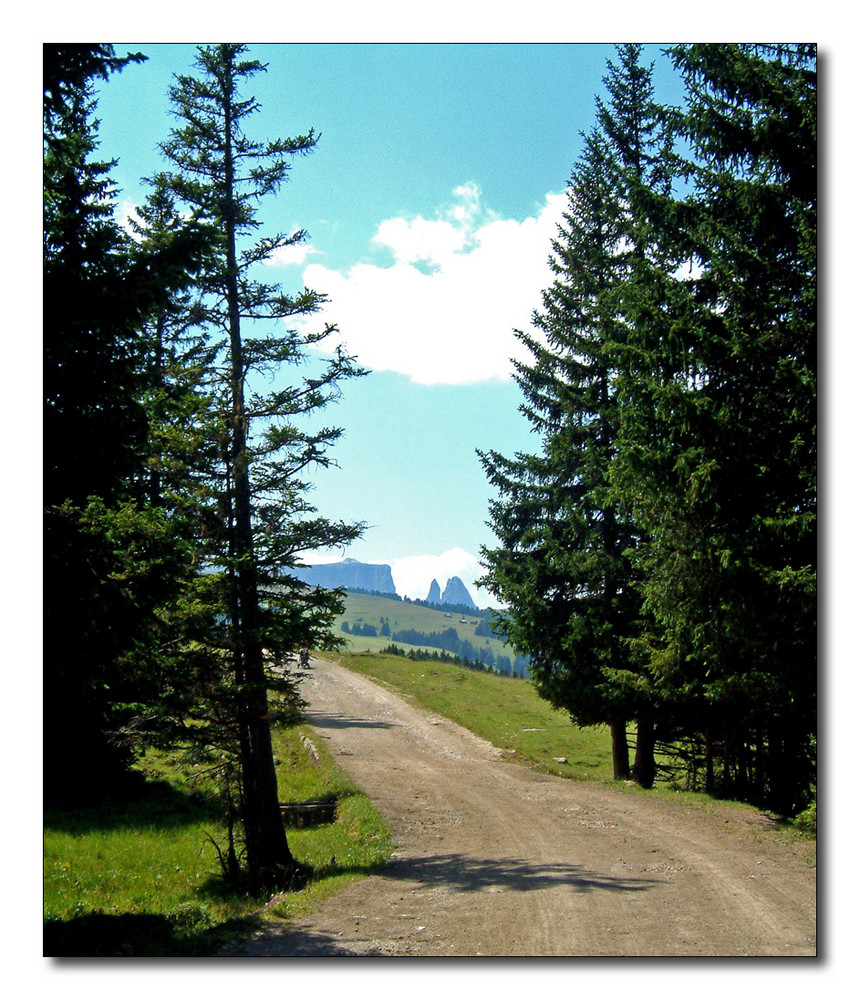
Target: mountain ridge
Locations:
point(351, 574)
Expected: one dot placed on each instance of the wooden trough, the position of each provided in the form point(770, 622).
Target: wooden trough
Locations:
point(314, 812)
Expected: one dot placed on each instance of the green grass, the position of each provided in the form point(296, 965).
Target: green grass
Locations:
point(368, 609)
point(504, 710)
point(142, 877)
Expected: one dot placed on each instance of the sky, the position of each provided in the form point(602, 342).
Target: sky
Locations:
point(430, 202)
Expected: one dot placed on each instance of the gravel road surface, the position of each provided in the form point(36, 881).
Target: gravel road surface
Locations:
point(494, 859)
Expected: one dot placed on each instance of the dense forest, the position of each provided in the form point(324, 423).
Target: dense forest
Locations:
point(656, 553)
point(174, 495)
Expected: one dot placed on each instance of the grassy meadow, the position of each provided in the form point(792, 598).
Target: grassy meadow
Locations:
point(504, 710)
point(142, 877)
point(369, 609)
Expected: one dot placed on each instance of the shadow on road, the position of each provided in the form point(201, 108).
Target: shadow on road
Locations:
point(320, 720)
point(288, 941)
point(464, 874)
point(455, 872)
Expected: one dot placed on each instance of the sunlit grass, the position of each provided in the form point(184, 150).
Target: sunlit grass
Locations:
point(153, 858)
point(504, 710)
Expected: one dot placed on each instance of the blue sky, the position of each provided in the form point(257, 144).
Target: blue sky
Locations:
point(430, 202)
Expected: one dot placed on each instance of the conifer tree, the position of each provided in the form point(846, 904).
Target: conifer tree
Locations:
point(181, 690)
point(108, 560)
point(563, 568)
point(220, 174)
point(708, 341)
point(176, 359)
point(718, 449)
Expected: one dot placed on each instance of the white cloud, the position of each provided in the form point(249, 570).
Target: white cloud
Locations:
point(444, 311)
point(415, 240)
point(125, 215)
point(296, 254)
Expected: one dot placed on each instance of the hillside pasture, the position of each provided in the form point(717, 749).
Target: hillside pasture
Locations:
point(370, 609)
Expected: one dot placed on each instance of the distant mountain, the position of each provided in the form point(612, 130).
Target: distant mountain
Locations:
point(353, 575)
point(350, 574)
point(455, 593)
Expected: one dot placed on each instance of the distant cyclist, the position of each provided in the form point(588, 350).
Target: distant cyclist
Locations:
point(304, 656)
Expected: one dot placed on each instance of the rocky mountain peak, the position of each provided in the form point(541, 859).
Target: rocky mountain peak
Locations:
point(455, 593)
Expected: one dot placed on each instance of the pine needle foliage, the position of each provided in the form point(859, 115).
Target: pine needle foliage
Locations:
point(657, 557)
point(263, 390)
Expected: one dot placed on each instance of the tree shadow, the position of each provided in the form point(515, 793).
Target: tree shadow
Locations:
point(465, 874)
point(320, 720)
point(130, 935)
point(151, 803)
point(455, 872)
point(289, 941)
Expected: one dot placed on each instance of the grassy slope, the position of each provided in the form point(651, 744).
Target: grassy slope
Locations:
point(505, 710)
point(369, 609)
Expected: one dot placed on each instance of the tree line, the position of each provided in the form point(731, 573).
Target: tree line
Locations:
point(465, 610)
point(365, 629)
point(174, 496)
point(449, 639)
point(440, 656)
point(657, 551)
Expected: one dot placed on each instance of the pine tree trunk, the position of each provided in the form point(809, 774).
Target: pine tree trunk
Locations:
point(644, 767)
point(709, 760)
point(620, 750)
point(267, 851)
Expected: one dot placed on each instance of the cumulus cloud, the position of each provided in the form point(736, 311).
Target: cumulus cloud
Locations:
point(444, 309)
point(414, 241)
point(293, 255)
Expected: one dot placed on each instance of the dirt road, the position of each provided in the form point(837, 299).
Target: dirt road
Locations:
point(493, 859)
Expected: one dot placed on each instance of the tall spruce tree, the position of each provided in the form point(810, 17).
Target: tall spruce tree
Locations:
point(709, 342)
point(108, 559)
point(220, 174)
point(563, 569)
point(176, 358)
point(182, 697)
point(718, 439)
